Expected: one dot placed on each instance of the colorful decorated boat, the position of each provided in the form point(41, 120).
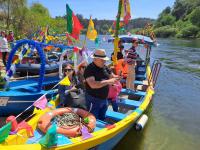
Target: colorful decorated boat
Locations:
point(20, 94)
point(30, 63)
point(104, 134)
point(44, 129)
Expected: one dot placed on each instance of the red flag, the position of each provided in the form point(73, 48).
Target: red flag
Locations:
point(73, 25)
point(41, 102)
point(77, 27)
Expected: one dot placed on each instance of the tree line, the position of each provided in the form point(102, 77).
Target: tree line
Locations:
point(24, 21)
point(182, 20)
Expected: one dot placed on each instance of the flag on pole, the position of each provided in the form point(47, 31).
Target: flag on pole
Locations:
point(65, 81)
point(41, 102)
point(73, 25)
point(91, 32)
point(4, 132)
point(126, 11)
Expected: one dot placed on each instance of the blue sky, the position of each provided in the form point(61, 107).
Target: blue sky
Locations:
point(105, 9)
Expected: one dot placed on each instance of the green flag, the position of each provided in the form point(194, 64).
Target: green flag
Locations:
point(69, 19)
point(50, 139)
point(4, 132)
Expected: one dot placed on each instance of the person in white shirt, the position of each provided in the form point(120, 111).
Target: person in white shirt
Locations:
point(3, 47)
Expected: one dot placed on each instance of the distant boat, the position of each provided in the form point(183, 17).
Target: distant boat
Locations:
point(22, 93)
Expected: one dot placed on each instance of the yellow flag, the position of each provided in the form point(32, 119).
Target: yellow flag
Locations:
point(65, 81)
point(91, 32)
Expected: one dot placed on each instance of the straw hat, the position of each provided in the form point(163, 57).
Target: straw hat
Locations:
point(100, 53)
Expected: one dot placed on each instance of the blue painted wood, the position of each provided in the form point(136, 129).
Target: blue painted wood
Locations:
point(129, 103)
point(111, 143)
point(35, 139)
point(100, 125)
point(139, 93)
point(115, 115)
point(138, 82)
point(62, 140)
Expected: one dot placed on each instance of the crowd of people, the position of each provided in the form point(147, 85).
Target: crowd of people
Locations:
point(99, 83)
point(6, 41)
point(94, 85)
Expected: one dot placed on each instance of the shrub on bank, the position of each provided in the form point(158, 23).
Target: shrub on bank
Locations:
point(189, 31)
point(165, 31)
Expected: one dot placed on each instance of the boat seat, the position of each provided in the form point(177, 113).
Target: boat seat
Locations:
point(129, 103)
point(63, 140)
point(115, 115)
point(100, 125)
point(137, 82)
point(141, 76)
point(29, 89)
point(139, 93)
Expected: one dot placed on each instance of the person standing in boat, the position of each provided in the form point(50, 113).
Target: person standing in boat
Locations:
point(119, 54)
point(80, 75)
point(98, 78)
point(130, 58)
point(4, 47)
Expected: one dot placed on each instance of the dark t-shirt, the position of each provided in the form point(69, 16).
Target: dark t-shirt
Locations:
point(99, 74)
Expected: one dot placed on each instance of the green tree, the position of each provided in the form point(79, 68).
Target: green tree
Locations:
point(10, 11)
point(195, 17)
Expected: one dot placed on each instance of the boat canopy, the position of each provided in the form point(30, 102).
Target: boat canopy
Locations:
point(129, 38)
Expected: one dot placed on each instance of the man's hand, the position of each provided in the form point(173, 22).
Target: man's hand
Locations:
point(112, 81)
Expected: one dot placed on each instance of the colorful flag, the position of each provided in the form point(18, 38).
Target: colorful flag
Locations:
point(91, 32)
point(4, 132)
point(27, 127)
point(126, 11)
point(41, 102)
point(73, 25)
point(65, 81)
point(50, 138)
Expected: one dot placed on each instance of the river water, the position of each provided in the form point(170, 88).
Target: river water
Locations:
point(174, 115)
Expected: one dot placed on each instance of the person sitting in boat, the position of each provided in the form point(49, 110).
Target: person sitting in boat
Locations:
point(130, 58)
point(80, 75)
point(119, 54)
point(70, 96)
point(98, 78)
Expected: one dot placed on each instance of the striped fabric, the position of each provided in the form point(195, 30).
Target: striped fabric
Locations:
point(131, 56)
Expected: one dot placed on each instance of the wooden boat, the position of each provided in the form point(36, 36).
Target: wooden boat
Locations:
point(30, 65)
point(107, 133)
point(22, 93)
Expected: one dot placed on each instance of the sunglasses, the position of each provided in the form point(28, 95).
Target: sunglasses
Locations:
point(68, 70)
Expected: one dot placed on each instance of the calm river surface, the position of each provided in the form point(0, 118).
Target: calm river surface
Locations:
point(174, 116)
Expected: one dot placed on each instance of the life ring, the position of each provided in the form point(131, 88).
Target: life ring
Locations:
point(121, 68)
point(71, 131)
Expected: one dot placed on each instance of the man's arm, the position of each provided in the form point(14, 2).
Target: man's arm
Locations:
point(99, 84)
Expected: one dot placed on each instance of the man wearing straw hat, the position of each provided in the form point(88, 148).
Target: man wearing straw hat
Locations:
point(98, 78)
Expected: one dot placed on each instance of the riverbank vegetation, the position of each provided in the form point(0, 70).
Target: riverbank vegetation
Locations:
point(182, 20)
